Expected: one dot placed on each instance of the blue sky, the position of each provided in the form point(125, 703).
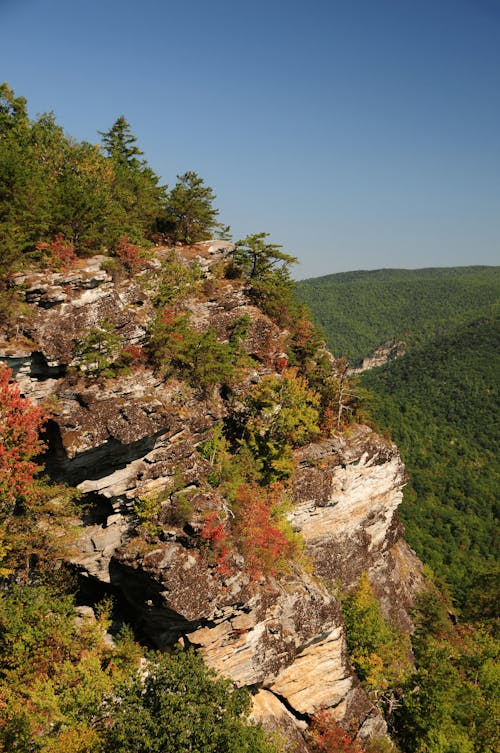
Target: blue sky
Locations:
point(359, 133)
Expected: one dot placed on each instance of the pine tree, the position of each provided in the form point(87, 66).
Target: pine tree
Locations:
point(138, 198)
point(256, 258)
point(120, 144)
point(191, 216)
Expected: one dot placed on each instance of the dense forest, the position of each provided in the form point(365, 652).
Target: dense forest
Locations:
point(439, 402)
point(359, 311)
point(52, 186)
point(75, 681)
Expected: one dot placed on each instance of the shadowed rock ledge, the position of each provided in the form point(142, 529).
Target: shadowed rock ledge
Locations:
point(136, 435)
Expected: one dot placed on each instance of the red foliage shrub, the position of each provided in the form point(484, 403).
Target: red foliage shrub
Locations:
point(260, 538)
point(170, 320)
point(130, 255)
point(280, 364)
point(328, 421)
point(133, 355)
point(20, 423)
point(330, 737)
point(60, 252)
point(215, 534)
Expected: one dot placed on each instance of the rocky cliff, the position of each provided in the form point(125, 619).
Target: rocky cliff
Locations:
point(136, 435)
point(386, 352)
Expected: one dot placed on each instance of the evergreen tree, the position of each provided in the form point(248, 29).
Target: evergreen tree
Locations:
point(120, 144)
point(15, 177)
point(191, 216)
point(266, 268)
point(256, 258)
point(138, 200)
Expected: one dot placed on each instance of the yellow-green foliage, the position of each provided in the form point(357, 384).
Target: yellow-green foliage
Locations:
point(54, 672)
point(379, 652)
point(173, 506)
point(98, 348)
point(175, 347)
point(281, 413)
point(177, 279)
point(148, 510)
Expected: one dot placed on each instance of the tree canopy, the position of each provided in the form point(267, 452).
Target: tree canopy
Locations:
point(121, 144)
point(52, 185)
point(191, 215)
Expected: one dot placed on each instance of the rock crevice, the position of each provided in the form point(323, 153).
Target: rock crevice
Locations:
point(136, 436)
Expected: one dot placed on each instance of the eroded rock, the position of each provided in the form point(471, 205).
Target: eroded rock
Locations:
point(137, 436)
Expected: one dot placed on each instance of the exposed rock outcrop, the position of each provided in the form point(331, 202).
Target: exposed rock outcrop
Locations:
point(381, 355)
point(137, 435)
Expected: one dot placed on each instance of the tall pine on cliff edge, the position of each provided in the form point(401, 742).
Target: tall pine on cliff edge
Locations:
point(135, 186)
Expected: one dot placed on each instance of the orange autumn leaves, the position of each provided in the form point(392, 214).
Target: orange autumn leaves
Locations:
point(20, 423)
point(258, 532)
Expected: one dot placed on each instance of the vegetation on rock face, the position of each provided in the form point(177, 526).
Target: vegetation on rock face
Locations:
point(34, 516)
point(327, 736)
point(261, 531)
point(99, 348)
point(265, 269)
point(280, 413)
point(64, 685)
point(379, 652)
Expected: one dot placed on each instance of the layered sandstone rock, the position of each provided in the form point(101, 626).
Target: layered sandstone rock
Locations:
point(136, 435)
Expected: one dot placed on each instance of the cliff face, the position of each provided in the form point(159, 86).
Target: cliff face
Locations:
point(136, 435)
point(386, 352)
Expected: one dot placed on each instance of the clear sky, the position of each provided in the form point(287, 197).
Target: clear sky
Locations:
point(359, 133)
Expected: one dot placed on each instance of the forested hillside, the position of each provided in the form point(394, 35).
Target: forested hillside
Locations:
point(359, 311)
point(439, 402)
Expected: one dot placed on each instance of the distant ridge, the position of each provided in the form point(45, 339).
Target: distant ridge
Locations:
point(361, 310)
point(395, 272)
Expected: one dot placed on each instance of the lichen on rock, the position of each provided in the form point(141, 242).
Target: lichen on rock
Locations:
point(136, 435)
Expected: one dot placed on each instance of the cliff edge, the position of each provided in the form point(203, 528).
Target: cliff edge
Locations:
point(132, 435)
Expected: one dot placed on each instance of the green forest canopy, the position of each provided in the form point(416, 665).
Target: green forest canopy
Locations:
point(439, 402)
point(358, 311)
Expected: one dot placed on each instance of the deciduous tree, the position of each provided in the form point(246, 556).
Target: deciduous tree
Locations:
point(181, 706)
point(20, 424)
point(281, 413)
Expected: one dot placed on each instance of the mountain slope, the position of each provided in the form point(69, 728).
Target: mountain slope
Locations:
point(440, 402)
point(359, 311)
